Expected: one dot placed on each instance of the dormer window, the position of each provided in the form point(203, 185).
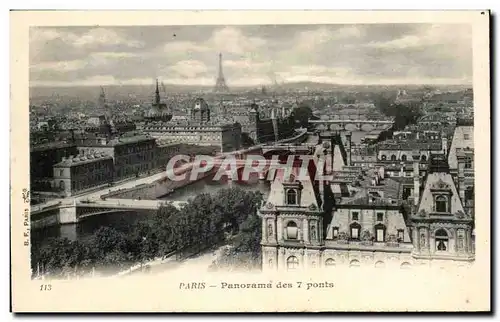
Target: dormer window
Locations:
point(355, 216)
point(441, 240)
point(401, 235)
point(379, 233)
point(380, 216)
point(335, 232)
point(292, 231)
point(468, 163)
point(441, 204)
point(355, 228)
point(291, 197)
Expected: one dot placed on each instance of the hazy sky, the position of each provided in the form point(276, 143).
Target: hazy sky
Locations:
point(253, 55)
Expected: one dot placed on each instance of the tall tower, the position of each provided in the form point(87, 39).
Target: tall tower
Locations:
point(101, 101)
point(102, 105)
point(157, 94)
point(220, 84)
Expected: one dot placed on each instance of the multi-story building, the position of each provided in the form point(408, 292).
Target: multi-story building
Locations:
point(403, 150)
point(461, 161)
point(79, 173)
point(304, 227)
point(43, 157)
point(200, 130)
point(441, 228)
point(133, 155)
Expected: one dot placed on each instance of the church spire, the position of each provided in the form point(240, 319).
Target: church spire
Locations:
point(157, 94)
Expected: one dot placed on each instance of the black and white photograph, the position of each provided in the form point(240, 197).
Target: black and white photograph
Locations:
point(250, 149)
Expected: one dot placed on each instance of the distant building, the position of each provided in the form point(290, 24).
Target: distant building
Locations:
point(76, 174)
point(159, 111)
point(200, 129)
point(133, 155)
point(43, 157)
point(461, 162)
point(403, 150)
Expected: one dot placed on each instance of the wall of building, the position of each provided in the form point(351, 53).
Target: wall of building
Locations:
point(79, 177)
point(42, 161)
point(134, 158)
point(393, 221)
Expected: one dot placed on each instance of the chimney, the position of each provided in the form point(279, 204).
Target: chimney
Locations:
point(321, 184)
point(381, 172)
point(461, 175)
point(416, 183)
point(444, 144)
point(349, 136)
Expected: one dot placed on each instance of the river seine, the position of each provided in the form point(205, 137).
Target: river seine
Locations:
point(123, 221)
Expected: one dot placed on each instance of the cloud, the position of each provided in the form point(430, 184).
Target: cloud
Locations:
point(253, 55)
point(232, 40)
point(311, 39)
point(48, 39)
point(187, 68)
point(183, 46)
point(103, 36)
point(70, 65)
point(429, 36)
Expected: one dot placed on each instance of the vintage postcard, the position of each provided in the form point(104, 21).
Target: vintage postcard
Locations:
point(237, 161)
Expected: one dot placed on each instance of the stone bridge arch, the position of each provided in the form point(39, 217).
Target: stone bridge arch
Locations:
point(368, 127)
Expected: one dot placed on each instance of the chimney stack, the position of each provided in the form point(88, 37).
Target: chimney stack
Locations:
point(461, 175)
point(444, 144)
point(349, 136)
point(416, 182)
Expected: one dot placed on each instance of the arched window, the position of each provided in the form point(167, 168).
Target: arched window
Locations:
point(405, 265)
point(291, 230)
point(423, 158)
point(354, 263)
point(330, 262)
point(270, 263)
point(62, 185)
point(393, 157)
point(441, 204)
point(442, 240)
point(403, 157)
point(313, 264)
point(379, 264)
point(313, 232)
point(384, 157)
point(292, 263)
point(291, 197)
point(61, 172)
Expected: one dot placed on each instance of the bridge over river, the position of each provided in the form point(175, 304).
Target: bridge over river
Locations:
point(351, 125)
point(140, 194)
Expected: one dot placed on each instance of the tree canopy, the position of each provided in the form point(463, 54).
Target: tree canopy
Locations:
point(207, 221)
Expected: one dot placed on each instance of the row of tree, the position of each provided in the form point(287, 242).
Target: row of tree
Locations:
point(403, 113)
point(230, 215)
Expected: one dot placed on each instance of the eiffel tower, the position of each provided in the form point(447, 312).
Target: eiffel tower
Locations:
point(220, 84)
